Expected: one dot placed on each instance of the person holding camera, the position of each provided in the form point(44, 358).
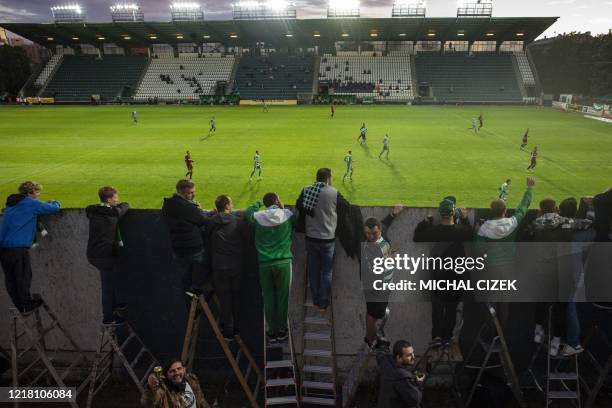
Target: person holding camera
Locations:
point(103, 250)
point(17, 234)
point(450, 237)
point(175, 388)
point(400, 385)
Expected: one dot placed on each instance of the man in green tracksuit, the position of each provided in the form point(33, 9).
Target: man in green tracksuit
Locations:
point(273, 228)
point(502, 228)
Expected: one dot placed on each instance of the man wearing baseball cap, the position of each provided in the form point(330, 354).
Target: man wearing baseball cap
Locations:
point(449, 237)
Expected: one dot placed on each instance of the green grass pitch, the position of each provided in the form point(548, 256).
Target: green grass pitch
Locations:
point(73, 150)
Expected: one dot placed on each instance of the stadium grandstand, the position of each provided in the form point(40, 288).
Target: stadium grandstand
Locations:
point(389, 60)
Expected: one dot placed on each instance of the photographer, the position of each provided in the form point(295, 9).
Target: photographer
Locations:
point(16, 236)
point(400, 386)
point(451, 235)
point(176, 389)
point(103, 250)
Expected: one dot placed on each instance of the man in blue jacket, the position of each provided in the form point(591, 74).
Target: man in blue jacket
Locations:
point(16, 236)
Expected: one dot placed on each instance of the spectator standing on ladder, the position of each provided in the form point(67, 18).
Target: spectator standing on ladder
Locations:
point(103, 248)
point(16, 236)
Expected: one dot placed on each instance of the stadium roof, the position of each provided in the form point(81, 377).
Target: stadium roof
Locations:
point(288, 32)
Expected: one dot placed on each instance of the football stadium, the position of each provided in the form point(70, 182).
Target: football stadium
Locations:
point(349, 211)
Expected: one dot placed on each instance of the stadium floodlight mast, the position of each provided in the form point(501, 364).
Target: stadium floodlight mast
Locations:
point(68, 13)
point(408, 8)
point(264, 10)
point(126, 12)
point(343, 8)
point(186, 11)
point(479, 8)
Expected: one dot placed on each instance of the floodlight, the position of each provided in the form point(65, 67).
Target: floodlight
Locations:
point(264, 10)
point(408, 8)
point(186, 11)
point(128, 12)
point(343, 8)
point(68, 13)
point(478, 8)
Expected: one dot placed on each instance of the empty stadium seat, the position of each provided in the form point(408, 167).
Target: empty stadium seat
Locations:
point(385, 78)
point(277, 76)
point(469, 78)
point(79, 77)
point(173, 78)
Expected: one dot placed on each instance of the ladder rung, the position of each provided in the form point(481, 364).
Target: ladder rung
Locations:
point(319, 401)
point(318, 385)
point(562, 395)
point(317, 320)
point(317, 369)
point(280, 382)
point(489, 367)
point(317, 353)
point(496, 348)
point(126, 341)
point(279, 363)
point(563, 376)
point(292, 399)
point(317, 336)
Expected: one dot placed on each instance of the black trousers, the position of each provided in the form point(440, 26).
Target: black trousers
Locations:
point(443, 318)
point(111, 283)
point(227, 286)
point(17, 276)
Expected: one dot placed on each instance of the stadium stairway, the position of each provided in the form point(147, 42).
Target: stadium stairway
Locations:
point(277, 76)
point(80, 77)
point(469, 78)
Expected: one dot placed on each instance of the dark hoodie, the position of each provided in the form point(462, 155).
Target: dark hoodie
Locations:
point(104, 230)
point(227, 236)
point(186, 224)
point(399, 387)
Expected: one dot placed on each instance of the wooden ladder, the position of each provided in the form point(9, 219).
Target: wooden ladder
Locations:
point(200, 304)
point(33, 334)
point(109, 348)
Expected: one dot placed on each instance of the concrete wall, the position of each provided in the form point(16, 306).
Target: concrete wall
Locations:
point(157, 307)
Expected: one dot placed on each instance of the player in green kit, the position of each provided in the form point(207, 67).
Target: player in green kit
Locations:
point(256, 165)
point(362, 134)
point(385, 146)
point(348, 159)
point(213, 126)
point(503, 190)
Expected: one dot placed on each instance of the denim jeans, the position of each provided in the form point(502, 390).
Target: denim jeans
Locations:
point(193, 271)
point(572, 325)
point(320, 264)
point(110, 283)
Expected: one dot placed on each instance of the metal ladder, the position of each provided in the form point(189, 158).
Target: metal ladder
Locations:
point(605, 369)
point(34, 337)
point(496, 346)
point(318, 369)
point(554, 376)
point(281, 387)
point(200, 304)
point(110, 347)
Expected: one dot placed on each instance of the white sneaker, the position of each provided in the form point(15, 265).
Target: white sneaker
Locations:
point(568, 351)
point(555, 343)
point(538, 335)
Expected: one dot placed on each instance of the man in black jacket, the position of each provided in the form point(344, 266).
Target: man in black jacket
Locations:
point(227, 238)
point(400, 387)
point(103, 250)
point(450, 237)
point(186, 223)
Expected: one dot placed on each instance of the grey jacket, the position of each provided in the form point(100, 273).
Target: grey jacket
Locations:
point(323, 223)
